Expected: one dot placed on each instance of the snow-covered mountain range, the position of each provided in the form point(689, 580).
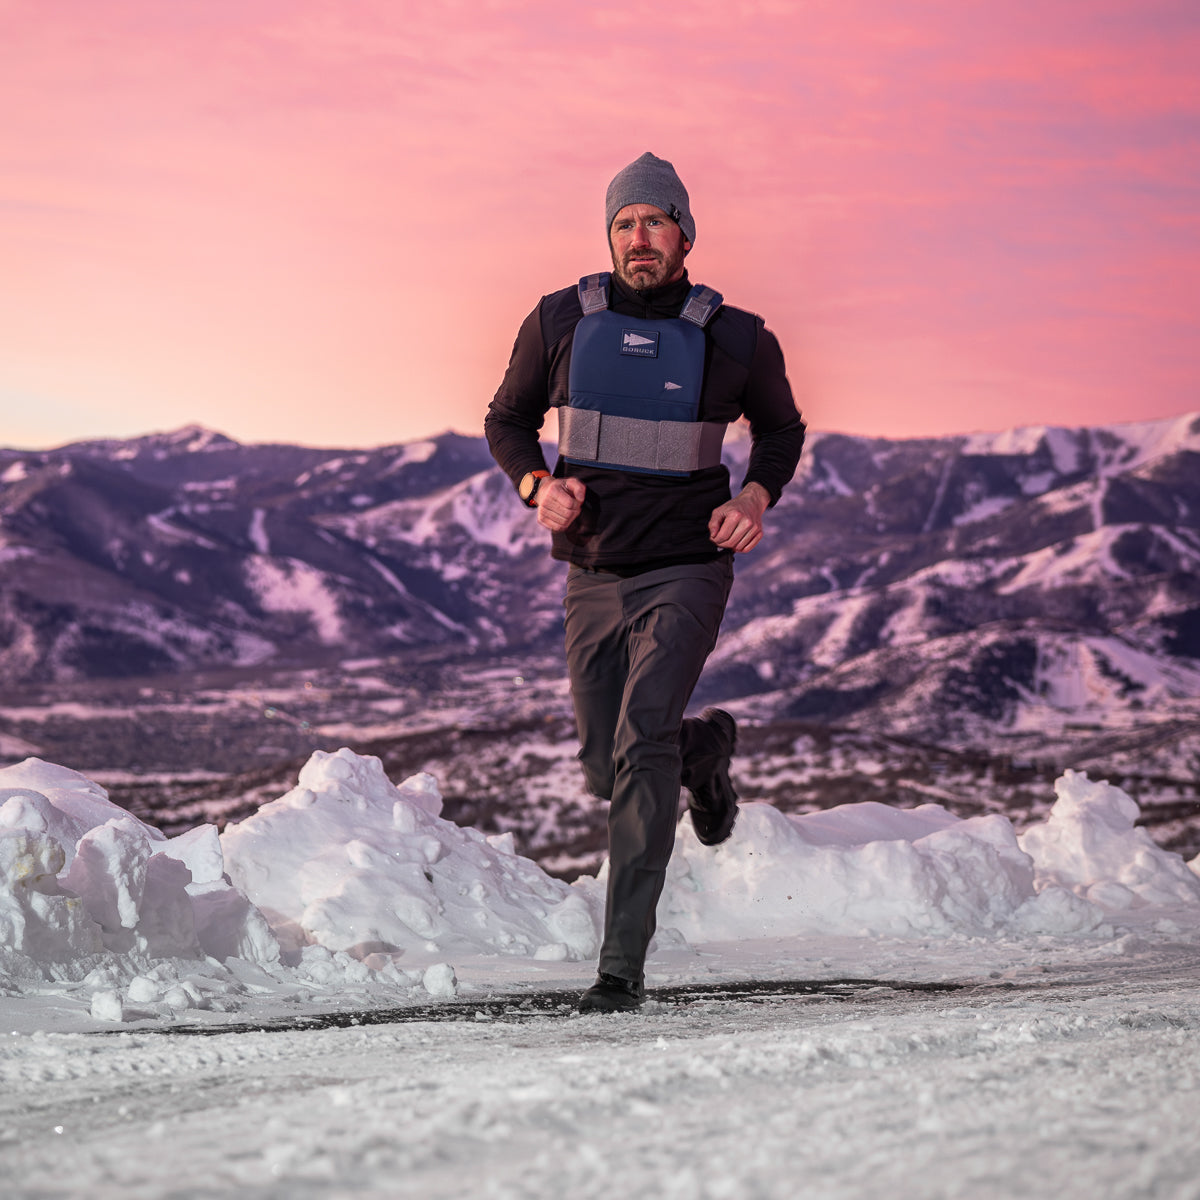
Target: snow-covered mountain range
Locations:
point(939, 588)
point(948, 586)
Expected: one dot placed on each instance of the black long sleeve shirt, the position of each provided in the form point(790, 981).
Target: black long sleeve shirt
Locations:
point(640, 520)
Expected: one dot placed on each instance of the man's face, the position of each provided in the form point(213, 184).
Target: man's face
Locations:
point(647, 247)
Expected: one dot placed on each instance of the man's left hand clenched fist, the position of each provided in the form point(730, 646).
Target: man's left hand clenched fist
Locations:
point(737, 524)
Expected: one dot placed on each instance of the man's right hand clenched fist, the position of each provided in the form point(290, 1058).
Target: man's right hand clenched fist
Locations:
point(559, 503)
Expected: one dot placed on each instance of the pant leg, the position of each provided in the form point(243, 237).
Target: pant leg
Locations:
point(597, 664)
point(672, 617)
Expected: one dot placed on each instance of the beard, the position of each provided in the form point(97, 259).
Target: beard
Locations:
point(665, 268)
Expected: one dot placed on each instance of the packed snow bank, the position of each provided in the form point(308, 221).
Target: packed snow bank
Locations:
point(91, 895)
point(350, 882)
point(350, 862)
point(899, 874)
point(81, 876)
point(869, 870)
point(1089, 844)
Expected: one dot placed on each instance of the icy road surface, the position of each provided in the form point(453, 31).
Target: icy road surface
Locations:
point(1070, 1080)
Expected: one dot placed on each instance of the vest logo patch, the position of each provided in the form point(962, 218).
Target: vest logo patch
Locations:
point(642, 343)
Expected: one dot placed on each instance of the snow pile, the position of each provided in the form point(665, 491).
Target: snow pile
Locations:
point(83, 884)
point(348, 861)
point(1089, 844)
point(350, 882)
point(869, 870)
point(862, 870)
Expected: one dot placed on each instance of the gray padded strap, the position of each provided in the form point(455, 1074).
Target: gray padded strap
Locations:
point(589, 436)
point(701, 304)
point(593, 293)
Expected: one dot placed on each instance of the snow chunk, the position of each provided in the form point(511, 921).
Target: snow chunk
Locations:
point(439, 980)
point(138, 898)
point(421, 791)
point(39, 922)
point(56, 800)
point(110, 872)
point(106, 1006)
point(200, 851)
point(1055, 910)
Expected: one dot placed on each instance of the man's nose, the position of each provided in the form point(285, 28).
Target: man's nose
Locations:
point(640, 236)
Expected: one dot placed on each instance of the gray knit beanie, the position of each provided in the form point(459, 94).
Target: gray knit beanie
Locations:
point(650, 180)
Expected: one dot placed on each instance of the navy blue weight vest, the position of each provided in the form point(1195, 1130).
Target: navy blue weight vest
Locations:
point(635, 387)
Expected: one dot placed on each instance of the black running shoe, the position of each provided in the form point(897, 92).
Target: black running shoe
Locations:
point(713, 802)
point(611, 993)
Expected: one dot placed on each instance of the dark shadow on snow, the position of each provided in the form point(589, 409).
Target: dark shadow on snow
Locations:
point(519, 1006)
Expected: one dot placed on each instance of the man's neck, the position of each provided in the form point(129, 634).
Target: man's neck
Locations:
point(666, 294)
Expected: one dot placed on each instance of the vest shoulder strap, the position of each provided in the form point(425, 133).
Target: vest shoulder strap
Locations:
point(699, 308)
point(593, 292)
point(701, 305)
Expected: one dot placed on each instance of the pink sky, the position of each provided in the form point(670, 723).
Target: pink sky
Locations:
point(299, 220)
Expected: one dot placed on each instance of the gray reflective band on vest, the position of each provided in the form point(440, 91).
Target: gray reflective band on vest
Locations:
point(588, 436)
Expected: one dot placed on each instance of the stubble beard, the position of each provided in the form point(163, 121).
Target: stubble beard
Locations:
point(644, 277)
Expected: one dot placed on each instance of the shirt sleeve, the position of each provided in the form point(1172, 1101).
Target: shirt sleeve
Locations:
point(518, 410)
point(776, 428)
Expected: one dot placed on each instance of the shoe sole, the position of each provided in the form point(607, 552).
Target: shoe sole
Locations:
point(607, 1004)
point(722, 833)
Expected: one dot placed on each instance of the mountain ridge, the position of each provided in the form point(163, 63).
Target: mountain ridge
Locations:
point(950, 587)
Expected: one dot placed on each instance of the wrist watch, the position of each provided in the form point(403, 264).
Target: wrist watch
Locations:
point(527, 489)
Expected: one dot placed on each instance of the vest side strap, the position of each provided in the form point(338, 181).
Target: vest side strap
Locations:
point(712, 435)
point(579, 433)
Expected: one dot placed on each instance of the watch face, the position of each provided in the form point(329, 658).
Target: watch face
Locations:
point(528, 486)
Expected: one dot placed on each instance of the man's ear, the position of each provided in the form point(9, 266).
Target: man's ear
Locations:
point(687, 246)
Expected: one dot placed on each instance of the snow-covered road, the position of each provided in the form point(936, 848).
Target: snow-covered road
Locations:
point(1071, 1080)
point(137, 973)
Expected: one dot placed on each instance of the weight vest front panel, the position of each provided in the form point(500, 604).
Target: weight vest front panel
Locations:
point(650, 370)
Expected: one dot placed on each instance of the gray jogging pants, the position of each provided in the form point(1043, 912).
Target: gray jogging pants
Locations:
point(635, 650)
